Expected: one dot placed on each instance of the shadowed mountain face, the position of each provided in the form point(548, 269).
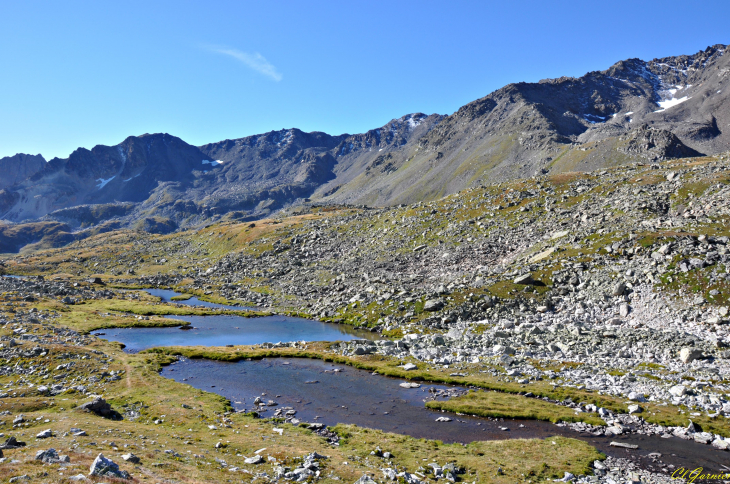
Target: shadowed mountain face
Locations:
point(14, 169)
point(127, 172)
point(633, 111)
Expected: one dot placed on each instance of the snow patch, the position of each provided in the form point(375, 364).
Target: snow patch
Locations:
point(593, 118)
point(670, 103)
point(214, 162)
point(135, 176)
point(286, 137)
point(413, 123)
point(103, 182)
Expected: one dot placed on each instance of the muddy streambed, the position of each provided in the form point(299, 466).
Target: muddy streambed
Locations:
point(329, 393)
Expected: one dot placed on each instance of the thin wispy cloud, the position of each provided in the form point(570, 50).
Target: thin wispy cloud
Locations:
point(254, 61)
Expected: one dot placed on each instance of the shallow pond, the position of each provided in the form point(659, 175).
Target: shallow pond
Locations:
point(222, 330)
point(320, 394)
point(166, 295)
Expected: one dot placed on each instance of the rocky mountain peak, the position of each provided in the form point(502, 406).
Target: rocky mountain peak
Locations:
point(19, 167)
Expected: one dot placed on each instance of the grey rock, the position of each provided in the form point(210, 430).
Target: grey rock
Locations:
point(12, 443)
point(635, 409)
point(131, 458)
point(678, 390)
point(100, 407)
point(433, 305)
point(721, 444)
point(524, 279)
point(365, 479)
point(624, 310)
point(49, 456)
point(104, 467)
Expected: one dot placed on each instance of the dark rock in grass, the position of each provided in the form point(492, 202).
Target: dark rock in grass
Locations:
point(11, 443)
point(101, 407)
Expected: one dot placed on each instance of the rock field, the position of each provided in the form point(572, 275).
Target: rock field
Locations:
point(615, 283)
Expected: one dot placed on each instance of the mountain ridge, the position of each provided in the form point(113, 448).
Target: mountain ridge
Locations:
point(633, 111)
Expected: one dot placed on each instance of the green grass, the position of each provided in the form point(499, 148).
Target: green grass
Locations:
point(506, 405)
point(520, 460)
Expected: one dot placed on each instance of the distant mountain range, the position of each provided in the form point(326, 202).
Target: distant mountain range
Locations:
point(633, 111)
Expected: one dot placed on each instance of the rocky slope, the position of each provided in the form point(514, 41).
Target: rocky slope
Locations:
point(613, 285)
point(634, 111)
point(665, 108)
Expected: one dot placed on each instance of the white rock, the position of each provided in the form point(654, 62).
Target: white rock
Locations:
point(257, 459)
point(688, 355)
point(721, 444)
point(624, 310)
point(678, 390)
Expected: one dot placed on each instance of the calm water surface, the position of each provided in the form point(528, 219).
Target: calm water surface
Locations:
point(232, 330)
point(166, 295)
point(319, 394)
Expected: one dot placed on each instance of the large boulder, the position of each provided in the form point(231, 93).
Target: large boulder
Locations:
point(433, 305)
point(51, 456)
point(688, 355)
point(100, 407)
point(107, 468)
point(11, 443)
point(525, 279)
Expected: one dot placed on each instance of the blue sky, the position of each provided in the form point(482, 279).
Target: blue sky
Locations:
point(79, 73)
